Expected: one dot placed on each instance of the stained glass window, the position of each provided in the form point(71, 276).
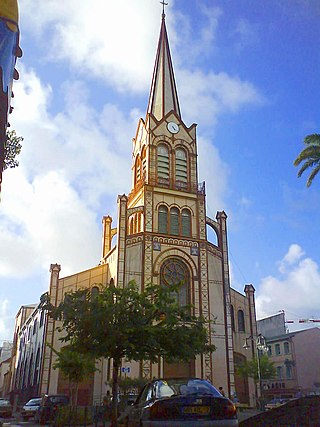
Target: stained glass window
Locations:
point(175, 272)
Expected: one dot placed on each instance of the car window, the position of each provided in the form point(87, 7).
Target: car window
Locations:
point(192, 386)
point(164, 390)
point(33, 402)
point(4, 402)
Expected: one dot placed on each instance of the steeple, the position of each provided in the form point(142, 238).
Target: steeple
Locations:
point(163, 94)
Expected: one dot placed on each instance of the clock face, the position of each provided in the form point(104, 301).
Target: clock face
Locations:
point(173, 127)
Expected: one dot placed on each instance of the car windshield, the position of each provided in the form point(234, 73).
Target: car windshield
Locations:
point(33, 402)
point(170, 387)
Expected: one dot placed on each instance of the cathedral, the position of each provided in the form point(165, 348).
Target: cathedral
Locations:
point(161, 237)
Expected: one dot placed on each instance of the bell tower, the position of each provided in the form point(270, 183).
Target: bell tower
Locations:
point(161, 232)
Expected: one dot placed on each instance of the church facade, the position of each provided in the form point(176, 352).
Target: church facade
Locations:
point(161, 238)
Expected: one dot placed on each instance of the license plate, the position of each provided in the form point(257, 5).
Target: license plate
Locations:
point(202, 410)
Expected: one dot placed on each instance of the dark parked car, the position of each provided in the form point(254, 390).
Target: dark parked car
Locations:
point(5, 408)
point(49, 406)
point(190, 402)
point(30, 409)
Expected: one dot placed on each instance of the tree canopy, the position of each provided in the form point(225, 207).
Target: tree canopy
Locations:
point(12, 149)
point(310, 155)
point(250, 368)
point(126, 323)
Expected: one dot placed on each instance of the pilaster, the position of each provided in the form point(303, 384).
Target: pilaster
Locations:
point(46, 369)
point(223, 243)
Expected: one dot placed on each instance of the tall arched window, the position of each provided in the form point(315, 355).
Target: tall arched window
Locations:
point(241, 324)
point(175, 272)
point(163, 165)
point(174, 221)
point(163, 219)
point(186, 223)
point(137, 170)
point(36, 368)
point(181, 168)
point(232, 317)
point(144, 163)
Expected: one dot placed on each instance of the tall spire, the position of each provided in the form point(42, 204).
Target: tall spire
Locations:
point(163, 94)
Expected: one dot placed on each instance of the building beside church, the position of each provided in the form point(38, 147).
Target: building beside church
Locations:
point(161, 238)
point(295, 356)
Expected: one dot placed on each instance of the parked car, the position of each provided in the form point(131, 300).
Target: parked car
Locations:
point(30, 409)
point(5, 408)
point(190, 402)
point(49, 405)
point(274, 403)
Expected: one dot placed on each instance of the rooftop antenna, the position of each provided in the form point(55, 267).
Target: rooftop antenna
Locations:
point(163, 5)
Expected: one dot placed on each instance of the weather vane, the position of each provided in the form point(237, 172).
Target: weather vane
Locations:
point(163, 5)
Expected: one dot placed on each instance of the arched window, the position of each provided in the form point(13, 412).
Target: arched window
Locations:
point(144, 163)
point(131, 225)
point(181, 168)
point(186, 223)
point(163, 165)
point(174, 221)
point(139, 222)
point(36, 368)
point(137, 170)
point(175, 272)
point(163, 219)
point(241, 325)
point(232, 317)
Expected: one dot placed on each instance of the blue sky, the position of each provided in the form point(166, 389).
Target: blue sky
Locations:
point(247, 74)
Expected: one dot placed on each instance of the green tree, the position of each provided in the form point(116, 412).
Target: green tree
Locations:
point(250, 368)
point(124, 323)
point(75, 367)
point(12, 149)
point(310, 155)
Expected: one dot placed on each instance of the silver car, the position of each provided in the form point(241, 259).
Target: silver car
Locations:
point(189, 402)
point(30, 409)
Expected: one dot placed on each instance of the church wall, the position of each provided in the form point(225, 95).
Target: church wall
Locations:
point(217, 313)
point(133, 269)
point(241, 302)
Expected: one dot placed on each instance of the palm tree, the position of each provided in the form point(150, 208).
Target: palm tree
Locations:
point(310, 155)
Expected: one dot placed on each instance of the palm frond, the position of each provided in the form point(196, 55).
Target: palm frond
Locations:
point(312, 175)
point(308, 164)
point(314, 138)
point(311, 152)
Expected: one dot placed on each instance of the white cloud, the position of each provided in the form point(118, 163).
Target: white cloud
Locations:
point(298, 288)
point(214, 171)
point(205, 96)
point(102, 39)
point(293, 255)
point(67, 167)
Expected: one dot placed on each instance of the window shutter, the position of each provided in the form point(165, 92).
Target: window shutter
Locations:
point(163, 220)
point(186, 223)
point(174, 221)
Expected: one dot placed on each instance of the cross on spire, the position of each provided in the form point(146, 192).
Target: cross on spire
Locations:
point(163, 5)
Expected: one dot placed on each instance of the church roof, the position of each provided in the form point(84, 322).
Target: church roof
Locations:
point(163, 94)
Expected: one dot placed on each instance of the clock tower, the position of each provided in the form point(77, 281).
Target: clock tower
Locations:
point(161, 231)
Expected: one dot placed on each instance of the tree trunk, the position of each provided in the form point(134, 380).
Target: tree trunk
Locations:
point(115, 389)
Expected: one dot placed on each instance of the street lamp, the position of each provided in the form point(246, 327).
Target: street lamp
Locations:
point(261, 346)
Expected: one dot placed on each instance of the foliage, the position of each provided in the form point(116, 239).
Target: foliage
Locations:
point(250, 368)
point(125, 323)
point(75, 367)
point(310, 155)
point(12, 148)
